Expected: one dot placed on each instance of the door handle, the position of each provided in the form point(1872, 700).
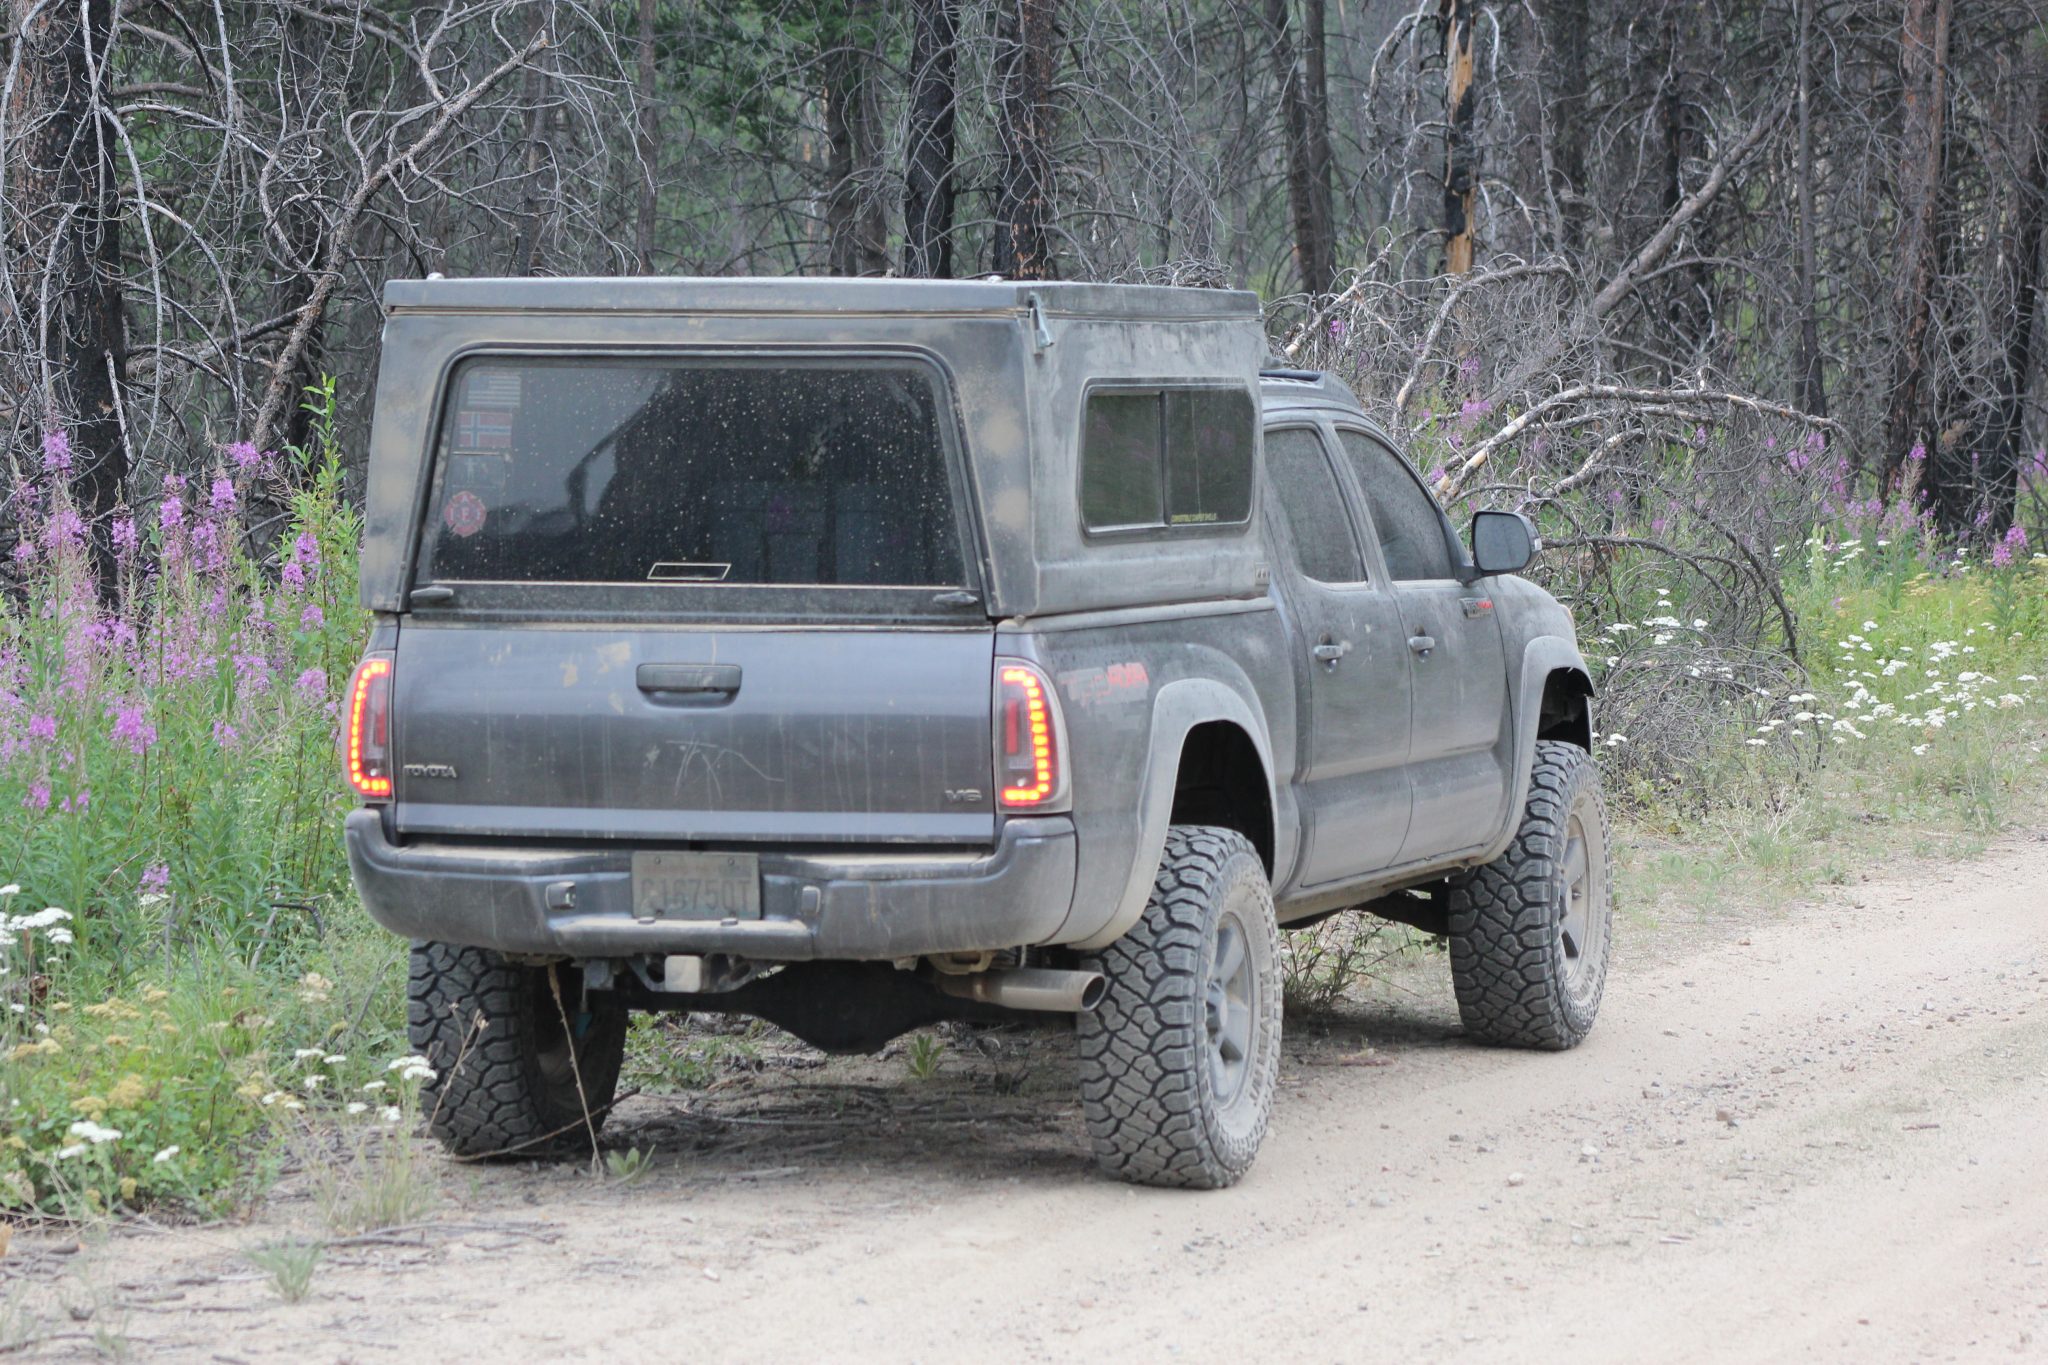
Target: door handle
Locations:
point(1328, 651)
point(688, 682)
point(1422, 645)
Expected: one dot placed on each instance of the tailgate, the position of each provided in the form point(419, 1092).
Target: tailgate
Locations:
point(795, 736)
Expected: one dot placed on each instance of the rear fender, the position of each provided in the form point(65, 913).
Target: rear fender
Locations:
point(1177, 709)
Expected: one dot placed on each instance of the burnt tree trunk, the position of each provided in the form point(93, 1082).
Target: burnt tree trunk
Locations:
point(649, 145)
point(1813, 395)
point(928, 158)
point(1025, 58)
point(539, 197)
point(857, 235)
point(1461, 181)
point(66, 238)
point(1923, 70)
point(1567, 30)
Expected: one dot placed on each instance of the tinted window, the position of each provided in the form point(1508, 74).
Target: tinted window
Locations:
point(1410, 530)
point(1167, 457)
point(1120, 473)
point(691, 471)
point(1306, 488)
point(1209, 436)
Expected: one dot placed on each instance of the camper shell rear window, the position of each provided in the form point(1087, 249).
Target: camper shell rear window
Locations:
point(696, 471)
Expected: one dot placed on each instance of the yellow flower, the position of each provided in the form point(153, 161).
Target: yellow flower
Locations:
point(92, 1106)
point(115, 1040)
point(128, 1092)
point(60, 1007)
point(127, 1189)
point(156, 995)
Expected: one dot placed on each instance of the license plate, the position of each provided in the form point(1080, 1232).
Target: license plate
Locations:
point(710, 886)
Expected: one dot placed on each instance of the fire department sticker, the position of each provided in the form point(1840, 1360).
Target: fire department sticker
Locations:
point(465, 514)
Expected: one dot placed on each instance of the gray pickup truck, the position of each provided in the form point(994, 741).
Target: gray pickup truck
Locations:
point(858, 654)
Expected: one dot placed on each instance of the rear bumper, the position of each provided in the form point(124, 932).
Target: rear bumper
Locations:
point(578, 903)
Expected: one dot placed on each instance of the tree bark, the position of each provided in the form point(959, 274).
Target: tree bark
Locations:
point(1025, 59)
point(1567, 31)
point(2022, 250)
point(928, 158)
point(1923, 70)
point(857, 235)
point(66, 238)
point(1461, 180)
point(1305, 133)
point(649, 130)
point(538, 199)
point(1813, 394)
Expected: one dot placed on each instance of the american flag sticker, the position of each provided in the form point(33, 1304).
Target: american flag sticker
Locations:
point(482, 430)
point(491, 389)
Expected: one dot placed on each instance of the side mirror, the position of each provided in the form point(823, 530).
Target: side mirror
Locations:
point(1503, 542)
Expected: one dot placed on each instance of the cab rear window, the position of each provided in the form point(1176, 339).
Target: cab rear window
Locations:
point(691, 470)
point(1167, 457)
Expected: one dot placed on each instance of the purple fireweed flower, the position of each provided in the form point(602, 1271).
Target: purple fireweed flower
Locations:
point(1468, 368)
point(25, 552)
point(78, 804)
point(38, 797)
point(155, 878)
point(56, 451)
point(306, 550)
point(66, 528)
point(1336, 329)
point(171, 515)
point(1918, 453)
point(132, 727)
point(42, 727)
point(127, 540)
point(1658, 526)
point(222, 498)
point(312, 618)
point(243, 453)
point(312, 684)
point(294, 575)
point(226, 736)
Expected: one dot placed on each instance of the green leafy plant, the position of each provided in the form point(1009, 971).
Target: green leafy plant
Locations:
point(924, 1055)
point(289, 1264)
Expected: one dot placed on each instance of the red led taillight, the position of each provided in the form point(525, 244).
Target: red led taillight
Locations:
point(1029, 760)
point(366, 735)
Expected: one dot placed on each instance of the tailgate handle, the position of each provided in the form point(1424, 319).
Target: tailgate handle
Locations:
point(707, 682)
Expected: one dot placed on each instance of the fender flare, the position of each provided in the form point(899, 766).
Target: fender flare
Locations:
point(1177, 708)
point(1541, 657)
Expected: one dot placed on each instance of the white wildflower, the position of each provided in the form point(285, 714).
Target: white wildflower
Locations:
point(165, 1155)
point(356, 1107)
point(391, 1113)
point(92, 1132)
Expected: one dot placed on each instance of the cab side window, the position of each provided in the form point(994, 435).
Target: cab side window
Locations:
point(1411, 533)
point(1305, 486)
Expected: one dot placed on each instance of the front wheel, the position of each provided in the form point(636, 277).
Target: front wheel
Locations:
point(526, 1061)
point(1530, 930)
point(1180, 1059)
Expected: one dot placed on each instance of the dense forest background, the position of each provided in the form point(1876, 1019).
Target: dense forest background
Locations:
point(1565, 240)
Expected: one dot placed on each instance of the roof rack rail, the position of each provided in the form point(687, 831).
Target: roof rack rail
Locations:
point(1304, 376)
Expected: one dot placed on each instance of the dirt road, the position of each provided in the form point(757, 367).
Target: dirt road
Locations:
point(1820, 1137)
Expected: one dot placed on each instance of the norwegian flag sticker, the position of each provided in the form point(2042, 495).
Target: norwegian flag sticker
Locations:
point(483, 430)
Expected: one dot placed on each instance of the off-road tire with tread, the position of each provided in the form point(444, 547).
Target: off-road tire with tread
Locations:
point(1148, 1090)
point(506, 1082)
point(1516, 981)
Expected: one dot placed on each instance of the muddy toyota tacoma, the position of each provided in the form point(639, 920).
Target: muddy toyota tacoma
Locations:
point(859, 654)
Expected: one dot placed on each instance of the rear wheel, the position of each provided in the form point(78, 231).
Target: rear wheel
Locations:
point(526, 1061)
point(1530, 931)
point(1180, 1060)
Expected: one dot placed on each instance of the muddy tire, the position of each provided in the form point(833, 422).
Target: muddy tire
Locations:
point(1180, 1060)
point(507, 1081)
point(1530, 931)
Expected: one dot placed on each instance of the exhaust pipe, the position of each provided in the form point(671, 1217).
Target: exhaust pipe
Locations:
point(1030, 988)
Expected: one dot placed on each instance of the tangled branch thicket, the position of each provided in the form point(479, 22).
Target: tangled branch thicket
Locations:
point(1685, 282)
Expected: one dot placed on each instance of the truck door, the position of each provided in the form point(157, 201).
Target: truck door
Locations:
point(1459, 756)
point(1353, 669)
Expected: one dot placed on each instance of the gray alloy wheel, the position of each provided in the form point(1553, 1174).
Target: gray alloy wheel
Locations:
point(1531, 931)
point(1180, 1060)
